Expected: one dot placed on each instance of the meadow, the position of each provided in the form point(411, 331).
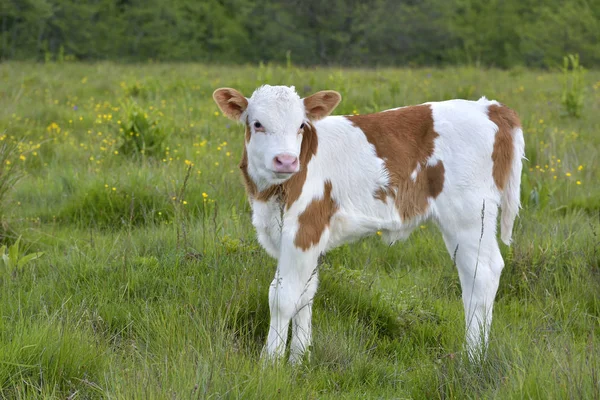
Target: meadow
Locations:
point(152, 284)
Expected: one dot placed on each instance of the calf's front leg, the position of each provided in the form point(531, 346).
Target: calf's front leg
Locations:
point(302, 321)
point(290, 296)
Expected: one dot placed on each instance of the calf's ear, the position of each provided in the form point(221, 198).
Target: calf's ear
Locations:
point(231, 102)
point(321, 104)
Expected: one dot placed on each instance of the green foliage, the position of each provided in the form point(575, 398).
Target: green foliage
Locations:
point(103, 206)
point(338, 32)
point(141, 133)
point(159, 288)
point(591, 205)
point(573, 85)
point(43, 358)
point(13, 259)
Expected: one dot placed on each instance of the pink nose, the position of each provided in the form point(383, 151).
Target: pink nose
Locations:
point(285, 163)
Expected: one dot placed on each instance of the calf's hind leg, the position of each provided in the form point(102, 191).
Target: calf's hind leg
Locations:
point(471, 241)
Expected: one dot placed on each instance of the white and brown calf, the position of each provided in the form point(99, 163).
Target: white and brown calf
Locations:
point(317, 181)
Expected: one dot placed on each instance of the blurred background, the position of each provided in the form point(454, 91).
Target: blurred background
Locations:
point(498, 33)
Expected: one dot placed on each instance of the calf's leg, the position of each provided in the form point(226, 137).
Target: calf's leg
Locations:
point(290, 296)
point(301, 321)
point(471, 241)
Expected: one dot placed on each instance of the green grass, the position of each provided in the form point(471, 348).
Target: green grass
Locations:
point(154, 286)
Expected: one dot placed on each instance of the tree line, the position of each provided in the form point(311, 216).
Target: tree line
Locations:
point(499, 33)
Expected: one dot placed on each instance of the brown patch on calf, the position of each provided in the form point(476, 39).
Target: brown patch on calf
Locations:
point(435, 179)
point(315, 219)
point(503, 153)
point(251, 189)
point(381, 195)
point(248, 134)
point(289, 191)
point(404, 139)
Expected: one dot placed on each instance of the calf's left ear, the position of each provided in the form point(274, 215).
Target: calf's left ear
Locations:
point(321, 104)
point(231, 102)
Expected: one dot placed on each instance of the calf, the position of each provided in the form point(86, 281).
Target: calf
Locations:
point(316, 181)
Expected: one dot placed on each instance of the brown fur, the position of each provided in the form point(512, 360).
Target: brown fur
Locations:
point(248, 135)
point(231, 102)
point(321, 104)
point(404, 138)
point(503, 153)
point(315, 219)
point(289, 191)
point(381, 194)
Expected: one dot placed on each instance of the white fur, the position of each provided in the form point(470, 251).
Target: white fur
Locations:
point(345, 158)
point(280, 111)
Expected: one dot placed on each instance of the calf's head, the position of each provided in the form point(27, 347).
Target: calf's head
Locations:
point(275, 118)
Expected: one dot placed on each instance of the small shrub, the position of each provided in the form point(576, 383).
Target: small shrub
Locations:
point(572, 93)
point(138, 90)
point(15, 259)
point(104, 207)
point(141, 133)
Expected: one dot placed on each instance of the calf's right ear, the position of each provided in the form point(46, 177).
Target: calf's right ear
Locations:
point(231, 102)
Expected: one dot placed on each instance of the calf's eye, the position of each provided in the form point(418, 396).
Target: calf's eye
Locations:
point(302, 126)
point(257, 125)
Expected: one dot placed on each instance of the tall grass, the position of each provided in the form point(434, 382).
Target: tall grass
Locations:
point(152, 283)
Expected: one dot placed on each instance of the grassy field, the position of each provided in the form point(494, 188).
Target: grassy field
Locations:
point(152, 285)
